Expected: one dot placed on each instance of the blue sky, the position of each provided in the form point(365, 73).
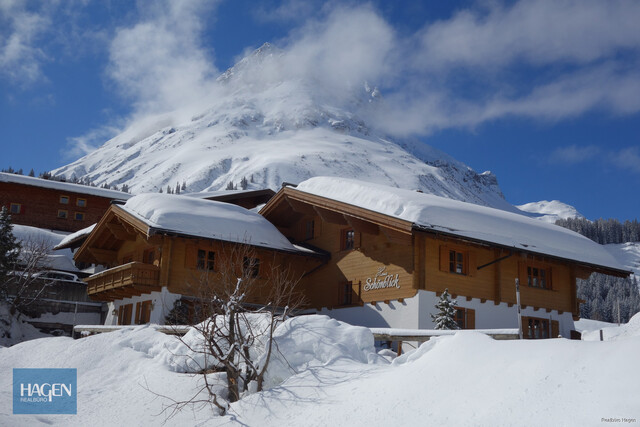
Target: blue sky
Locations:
point(545, 93)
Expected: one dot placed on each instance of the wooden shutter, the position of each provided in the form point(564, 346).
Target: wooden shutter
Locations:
point(470, 321)
point(555, 329)
point(549, 279)
point(120, 315)
point(444, 258)
point(190, 256)
point(138, 310)
point(522, 273)
point(471, 263)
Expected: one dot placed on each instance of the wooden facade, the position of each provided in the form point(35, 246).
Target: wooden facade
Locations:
point(140, 261)
point(389, 259)
point(61, 206)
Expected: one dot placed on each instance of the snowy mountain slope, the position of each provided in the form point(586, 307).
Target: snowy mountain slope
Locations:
point(551, 211)
point(628, 254)
point(268, 127)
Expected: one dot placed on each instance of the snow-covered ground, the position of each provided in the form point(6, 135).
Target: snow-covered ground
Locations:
point(464, 379)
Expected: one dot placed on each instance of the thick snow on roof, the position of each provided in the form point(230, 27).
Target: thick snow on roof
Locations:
point(464, 219)
point(206, 218)
point(80, 234)
point(63, 186)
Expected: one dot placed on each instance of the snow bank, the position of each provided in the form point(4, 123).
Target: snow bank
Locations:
point(312, 341)
point(59, 260)
point(206, 218)
point(463, 219)
point(614, 333)
point(14, 330)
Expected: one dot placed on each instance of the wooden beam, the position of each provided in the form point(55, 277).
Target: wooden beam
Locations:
point(300, 207)
point(120, 231)
point(106, 255)
point(396, 237)
point(362, 226)
point(330, 216)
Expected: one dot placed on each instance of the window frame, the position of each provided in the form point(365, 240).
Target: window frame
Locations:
point(75, 216)
point(347, 243)
point(60, 199)
point(309, 229)
point(252, 263)
point(208, 260)
point(11, 206)
point(65, 216)
point(81, 205)
point(458, 257)
point(543, 276)
point(538, 327)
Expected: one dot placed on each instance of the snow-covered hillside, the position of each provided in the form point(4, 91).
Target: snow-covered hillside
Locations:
point(268, 128)
point(627, 253)
point(551, 211)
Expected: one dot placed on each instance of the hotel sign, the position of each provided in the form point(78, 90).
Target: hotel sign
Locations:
point(382, 280)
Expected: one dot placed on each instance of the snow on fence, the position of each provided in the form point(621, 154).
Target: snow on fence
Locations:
point(85, 330)
point(422, 335)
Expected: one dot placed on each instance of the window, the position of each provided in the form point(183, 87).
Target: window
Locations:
point(347, 240)
point(62, 214)
point(81, 203)
point(309, 230)
point(64, 200)
point(465, 318)
point(78, 216)
point(250, 266)
point(457, 262)
point(206, 260)
point(539, 328)
point(15, 208)
point(143, 312)
point(538, 277)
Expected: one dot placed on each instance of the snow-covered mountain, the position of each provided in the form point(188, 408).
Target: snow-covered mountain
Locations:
point(551, 211)
point(270, 127)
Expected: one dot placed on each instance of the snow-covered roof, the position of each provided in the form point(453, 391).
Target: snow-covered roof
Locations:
point(74, 237)
point(465, 220)
point(206, 218)
point(63, 186)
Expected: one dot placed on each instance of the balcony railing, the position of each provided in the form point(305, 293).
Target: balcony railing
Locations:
point(134, 278)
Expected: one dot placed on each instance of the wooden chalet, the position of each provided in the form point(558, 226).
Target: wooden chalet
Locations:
point(157, 249)
point(393, 252)
point(54, 205)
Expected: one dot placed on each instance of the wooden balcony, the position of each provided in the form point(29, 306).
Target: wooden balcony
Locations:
point(124, 281)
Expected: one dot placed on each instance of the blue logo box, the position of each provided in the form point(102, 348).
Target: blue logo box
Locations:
point(45, 391)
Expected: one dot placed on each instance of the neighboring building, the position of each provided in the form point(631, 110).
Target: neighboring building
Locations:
point(248, 199)
point(54, 205)
point(393, 252)
point(158, 248)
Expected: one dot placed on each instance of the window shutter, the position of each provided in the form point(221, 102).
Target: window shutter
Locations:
point(472, 264)
point(357, 236)
point(190, 255)
point(138, 310)
point(522, 273)
point(470, 320)
point(555, 329)
point(444, 258)
point(549, 279)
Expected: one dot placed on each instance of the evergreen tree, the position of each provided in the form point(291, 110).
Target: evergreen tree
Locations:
point(244, 183)
point(32, 172)
point(184, 186)
point(9, 249)
point(177, 191)
point(229, 186)
point(445, 319)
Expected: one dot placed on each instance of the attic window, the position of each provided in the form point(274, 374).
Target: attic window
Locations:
point(457, 262)
point(347, 240)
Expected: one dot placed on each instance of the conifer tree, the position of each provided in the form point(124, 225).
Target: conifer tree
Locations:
point(9, 249)
point(445, 319)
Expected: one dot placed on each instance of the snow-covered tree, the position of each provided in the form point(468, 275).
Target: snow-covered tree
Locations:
point(9, 250)
point(446, 317)
point(244, 183)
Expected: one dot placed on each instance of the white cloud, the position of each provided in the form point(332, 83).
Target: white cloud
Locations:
point(574, 154)
point(627, 158)
point(20, 29)
point(159, 62)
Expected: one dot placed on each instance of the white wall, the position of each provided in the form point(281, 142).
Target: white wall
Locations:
point(162, 303)
point(393, 315)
